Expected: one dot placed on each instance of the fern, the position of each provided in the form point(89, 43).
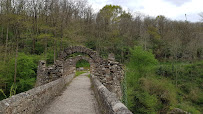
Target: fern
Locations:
point(3, 93)
point(13, 90)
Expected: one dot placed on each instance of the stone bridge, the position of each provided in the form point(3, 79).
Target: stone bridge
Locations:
point(106, 76)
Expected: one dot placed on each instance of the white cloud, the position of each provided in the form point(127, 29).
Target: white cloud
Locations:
point(177, 2)
point(170, 8)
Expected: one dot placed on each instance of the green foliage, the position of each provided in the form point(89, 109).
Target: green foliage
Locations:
point(79, 73)
point(141, 62)
point(39, 48)
point(88, 76)
point(194, 72)
point(140, 65)
point(90, 44)
point(50, 57)
point(144, 103)
point(82, 63)
point(1, 91)
point(153, 33)
point(189, 80)
point(26, 74)
point(42, 36)
point(189, 108)
point(111, 13)
point(163, 90)
point(152, 95)
point(13, 90)
point(148, 93)
point(124, 91)
point(140, 58)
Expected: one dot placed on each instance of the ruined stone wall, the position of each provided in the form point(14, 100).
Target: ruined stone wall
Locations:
point(109, 72)
point(30, 102)
point(108, 101)
point(50, 73)
point(75, 49)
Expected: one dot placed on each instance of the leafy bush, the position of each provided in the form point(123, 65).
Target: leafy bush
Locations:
point(141, 60)
point(194, 72)
point(39, 48)
point(189, 78)
point(188, 108)
point(178, 85)
point(165, 70)
point(163, 90)
point(82, 63)
point(26, 73)
point(141, 64)
point(144, 102)
point(50, 57)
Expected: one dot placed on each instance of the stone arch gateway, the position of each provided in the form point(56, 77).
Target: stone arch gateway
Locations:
point(70, 63)
point(109, 72)
point(75, 49)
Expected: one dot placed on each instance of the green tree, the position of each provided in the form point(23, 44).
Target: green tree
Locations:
point(26, 72)
point(140, 65)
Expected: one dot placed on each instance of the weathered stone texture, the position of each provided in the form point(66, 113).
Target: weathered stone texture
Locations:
point(31, 101)
point(108, 101)
point(111, 57)
point(110, 73)
point(48, 74)
point(41, 72)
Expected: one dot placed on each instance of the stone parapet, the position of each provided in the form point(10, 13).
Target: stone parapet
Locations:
point(108, 101)
point(32, 101)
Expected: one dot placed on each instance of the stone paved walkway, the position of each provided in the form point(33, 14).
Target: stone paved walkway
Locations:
point(77, 98)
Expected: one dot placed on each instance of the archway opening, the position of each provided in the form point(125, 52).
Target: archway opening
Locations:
point(82, 66)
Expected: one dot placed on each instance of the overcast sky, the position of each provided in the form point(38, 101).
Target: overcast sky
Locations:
point(173, 9)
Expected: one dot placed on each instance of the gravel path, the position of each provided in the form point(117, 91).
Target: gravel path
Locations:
point(77, 98)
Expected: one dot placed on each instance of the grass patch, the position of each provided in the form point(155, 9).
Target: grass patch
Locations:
point(79, 73)
point(88, 76)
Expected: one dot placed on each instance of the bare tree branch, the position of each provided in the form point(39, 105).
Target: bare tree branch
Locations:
point(201, 15)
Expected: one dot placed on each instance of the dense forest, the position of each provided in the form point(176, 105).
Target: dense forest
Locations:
point(163, 58)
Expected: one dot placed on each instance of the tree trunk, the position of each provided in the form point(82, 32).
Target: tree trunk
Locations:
point(54, 51)
point(5, 57)
point(16, 58)
point(2, 33)
point(33, 44)
point(45, 51)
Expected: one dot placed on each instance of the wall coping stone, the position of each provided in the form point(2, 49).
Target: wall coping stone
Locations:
point(107, 100)
point(33, 100)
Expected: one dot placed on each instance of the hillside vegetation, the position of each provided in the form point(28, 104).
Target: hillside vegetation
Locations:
point(163, 57)
point(154, 87)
